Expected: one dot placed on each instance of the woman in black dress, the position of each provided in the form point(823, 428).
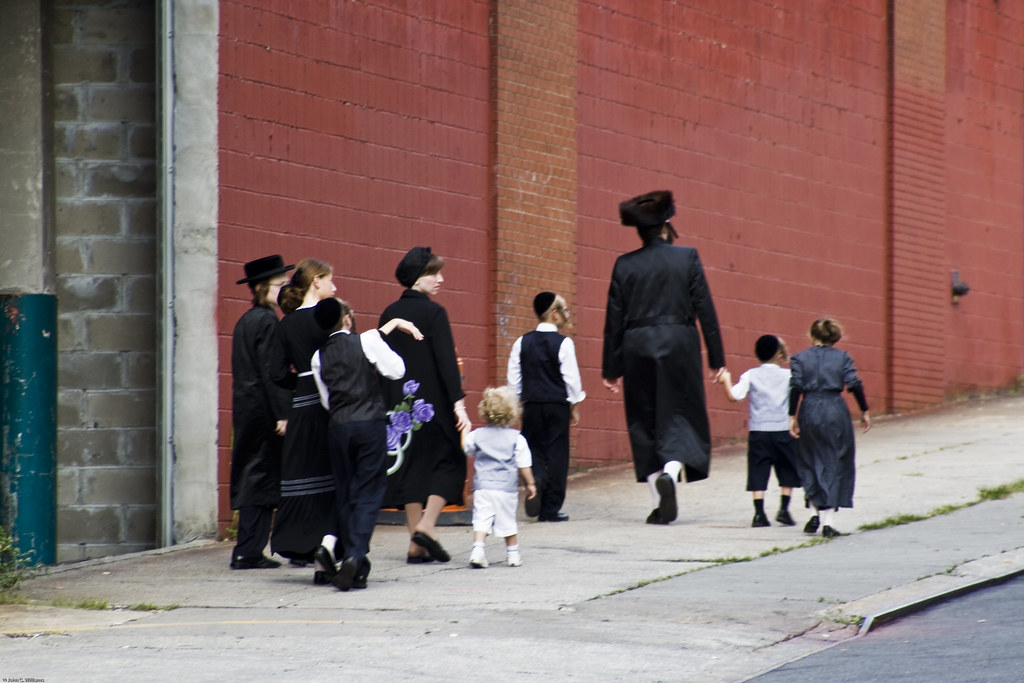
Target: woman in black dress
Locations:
point(306, 512)
point(427, 468)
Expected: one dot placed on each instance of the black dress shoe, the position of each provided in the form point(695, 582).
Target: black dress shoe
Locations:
point(418, 559)
point(666, 487)
point(531, 506)
point(812, 525)
point(557, 517)
point(432, 546)
point(359, 580)
point(784, 518)
point(326, 569)
point(655, 517)
point(760, 519)
point(346, 575)
point(829, 532)
point(259, 562)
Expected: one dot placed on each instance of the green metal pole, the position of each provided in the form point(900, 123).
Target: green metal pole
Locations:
point(28, 417)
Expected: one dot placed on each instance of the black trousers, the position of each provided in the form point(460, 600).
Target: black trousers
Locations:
point(357, 452)
point(253, 530)
point(546, 428)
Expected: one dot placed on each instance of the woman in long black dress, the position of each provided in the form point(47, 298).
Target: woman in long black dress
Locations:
point(258, 415)
point(826, 447)
point(306, 511)
point(427, 468)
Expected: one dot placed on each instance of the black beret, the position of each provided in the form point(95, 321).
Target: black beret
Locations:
point(412, 265)
point(766, 347)
point(327, 313)
point(648, 210)
point(542, 302)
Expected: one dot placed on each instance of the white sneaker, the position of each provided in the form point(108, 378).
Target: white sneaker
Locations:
point(478, 558)
point(515, 559)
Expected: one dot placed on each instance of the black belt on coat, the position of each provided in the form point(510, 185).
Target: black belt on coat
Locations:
point(657, 320)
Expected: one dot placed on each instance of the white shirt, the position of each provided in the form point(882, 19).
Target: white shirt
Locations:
point(566, 360)
point(376, 350)
point(768, 386)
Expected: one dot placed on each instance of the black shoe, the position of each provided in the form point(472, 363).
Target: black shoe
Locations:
point(784, 518)
point(346, 576)
point(557, 517)
point(325, 565)
point(812, 525)
point(666, 487)
point(418, 559)
point(760, 519)
point(359, 580)
point(655, 517)
point(260, 562)
point(531, 506)
point(829, 532)
point(432, 546)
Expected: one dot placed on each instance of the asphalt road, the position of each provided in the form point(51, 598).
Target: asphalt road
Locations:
point(977, 637)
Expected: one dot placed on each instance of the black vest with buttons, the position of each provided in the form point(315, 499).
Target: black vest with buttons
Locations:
point(353, 385)
point(541, 370)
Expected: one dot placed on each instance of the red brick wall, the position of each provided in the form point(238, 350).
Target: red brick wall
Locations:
point(767, 120)
point(351, 132)
point(818, 171)
point(983, 339)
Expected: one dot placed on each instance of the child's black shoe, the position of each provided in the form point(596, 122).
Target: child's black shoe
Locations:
point(812, 525)
point(760, 519)
point(784, 518)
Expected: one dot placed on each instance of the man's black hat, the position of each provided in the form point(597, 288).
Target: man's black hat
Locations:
point(649, 210)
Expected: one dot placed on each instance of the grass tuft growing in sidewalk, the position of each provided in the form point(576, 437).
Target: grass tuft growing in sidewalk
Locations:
point(984, 494)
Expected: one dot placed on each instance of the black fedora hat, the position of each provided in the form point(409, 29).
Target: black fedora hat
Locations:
point(264, 268)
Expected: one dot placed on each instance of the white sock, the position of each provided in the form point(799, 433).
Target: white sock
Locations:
point(651, 482)
point(827, 517)
point(512, 548)
point(479, 544)
point(673, 468)
point(329, 542)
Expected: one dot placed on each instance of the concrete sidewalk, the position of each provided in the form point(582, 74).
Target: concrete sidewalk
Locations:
point(602, 597)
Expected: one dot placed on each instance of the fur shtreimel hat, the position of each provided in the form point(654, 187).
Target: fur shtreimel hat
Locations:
point(264, 269)
point(327, 313)
point(648, 210)
point(542, 302)
point(766, 347)
point(412, 265)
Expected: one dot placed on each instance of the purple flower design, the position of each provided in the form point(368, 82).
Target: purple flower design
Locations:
point(410, 387)
point(401, 421)
point(394, 438)
point(422, 411)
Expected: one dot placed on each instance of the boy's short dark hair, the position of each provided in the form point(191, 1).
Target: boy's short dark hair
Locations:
point(766, 347)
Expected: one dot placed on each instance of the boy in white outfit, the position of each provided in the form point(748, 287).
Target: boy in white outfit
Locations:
point(769, 443)
point(501, 458)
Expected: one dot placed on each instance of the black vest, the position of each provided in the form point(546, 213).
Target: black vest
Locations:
point(542, 373)
point(353, 385)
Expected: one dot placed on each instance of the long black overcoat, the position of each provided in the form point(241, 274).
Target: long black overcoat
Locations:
point(256, 406)
point(434, 463)
point(657, 295)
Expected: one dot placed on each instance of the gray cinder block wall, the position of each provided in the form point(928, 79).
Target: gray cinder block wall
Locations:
point(104, 148)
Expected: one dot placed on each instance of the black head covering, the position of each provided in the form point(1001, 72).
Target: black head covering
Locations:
point(766, 347)
point(542, 302)
point(264, 269)
point(412, 265)
point(327, 313)
point(649, 210)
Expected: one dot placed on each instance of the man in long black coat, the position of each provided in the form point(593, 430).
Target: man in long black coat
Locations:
point(258, 410)
point(652, 351)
